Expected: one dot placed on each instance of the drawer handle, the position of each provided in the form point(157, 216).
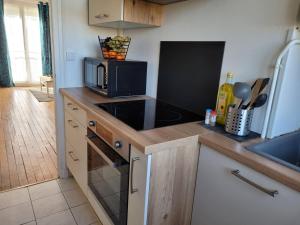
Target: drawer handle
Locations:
point(72, 156)
point(69, 104)
point(75, 109)
point(132, 189)
point(102, 16)
point(74, 125)
point(272, 193)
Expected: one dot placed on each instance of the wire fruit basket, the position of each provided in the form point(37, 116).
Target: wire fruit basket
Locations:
point(114, 48)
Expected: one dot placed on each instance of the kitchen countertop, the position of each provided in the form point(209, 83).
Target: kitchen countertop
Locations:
point(155, 140)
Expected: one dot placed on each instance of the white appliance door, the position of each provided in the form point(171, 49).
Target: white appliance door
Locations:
point(285, 115)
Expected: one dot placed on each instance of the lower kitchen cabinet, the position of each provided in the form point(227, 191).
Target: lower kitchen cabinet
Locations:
point(139, 183)
point(229, 193)
point(76, 145)
point(160, 183)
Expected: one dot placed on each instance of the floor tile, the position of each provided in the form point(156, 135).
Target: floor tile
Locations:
point(97, 223)
point(43, 190)
point(30, 223)
point(14, 197)
point(67, 184)
point(75, 197)
point(16, 215)
point(61, 218)
point(84, 214)
point(49, 205)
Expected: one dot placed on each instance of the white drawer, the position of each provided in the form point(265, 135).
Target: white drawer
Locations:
point(75, 111)
point(72, 160)
point(74, 133)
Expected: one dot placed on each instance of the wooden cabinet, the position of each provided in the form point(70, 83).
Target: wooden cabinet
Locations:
point(76, 146)
point(124, 13)
point(224, 199)
point(163, 184)
point(139, 183)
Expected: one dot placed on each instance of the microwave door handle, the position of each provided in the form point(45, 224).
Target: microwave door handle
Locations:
point(107, 160)
point(103, 75)
point(102, 85)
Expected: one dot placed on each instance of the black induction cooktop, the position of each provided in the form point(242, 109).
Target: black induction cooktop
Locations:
point(149, 114)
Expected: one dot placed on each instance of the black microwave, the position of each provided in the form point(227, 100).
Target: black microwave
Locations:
point(114, 78)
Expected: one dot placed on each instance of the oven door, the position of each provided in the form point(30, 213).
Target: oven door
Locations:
point(108, 179)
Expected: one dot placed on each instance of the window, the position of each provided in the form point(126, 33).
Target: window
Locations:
point(23, 35)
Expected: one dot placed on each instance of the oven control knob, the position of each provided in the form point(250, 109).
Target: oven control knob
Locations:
point(92, 123)
point(118, 144)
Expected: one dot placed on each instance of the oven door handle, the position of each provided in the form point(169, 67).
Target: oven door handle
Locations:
point(107, 160)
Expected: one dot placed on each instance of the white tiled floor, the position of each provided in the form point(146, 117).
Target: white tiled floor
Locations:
point(57, 202)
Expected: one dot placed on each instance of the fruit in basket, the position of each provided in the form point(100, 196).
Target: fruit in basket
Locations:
point(115, 48)
point(120, 57)
point(112, 54)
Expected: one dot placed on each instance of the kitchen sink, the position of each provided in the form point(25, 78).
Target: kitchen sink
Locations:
point(284, 150)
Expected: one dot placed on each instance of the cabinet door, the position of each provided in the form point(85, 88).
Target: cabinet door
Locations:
point(142, 12)
point(224, 199)
point(139, 181)
point(103, 11)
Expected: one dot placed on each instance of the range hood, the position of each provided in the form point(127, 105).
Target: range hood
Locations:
point(165, 2)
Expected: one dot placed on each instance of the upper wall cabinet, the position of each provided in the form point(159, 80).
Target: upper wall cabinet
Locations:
point(124, 14)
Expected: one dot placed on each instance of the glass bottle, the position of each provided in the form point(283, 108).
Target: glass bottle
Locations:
point(225, 98)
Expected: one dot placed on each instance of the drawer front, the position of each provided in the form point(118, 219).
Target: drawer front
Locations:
point(72, 160)
point(74, 133)
point(75, 111)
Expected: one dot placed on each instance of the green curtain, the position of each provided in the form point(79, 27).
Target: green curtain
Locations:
point(5, 69)
point(45, 38)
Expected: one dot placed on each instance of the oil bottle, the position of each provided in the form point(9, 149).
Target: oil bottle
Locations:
point(225, 98)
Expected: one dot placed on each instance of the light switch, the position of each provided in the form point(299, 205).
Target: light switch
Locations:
point(70, 56)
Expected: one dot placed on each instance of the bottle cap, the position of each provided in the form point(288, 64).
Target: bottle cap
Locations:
point(208, 110)
point(229, 75)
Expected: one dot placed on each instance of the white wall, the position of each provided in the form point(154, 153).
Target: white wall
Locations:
point(79, 39)
point(71, 33)
point(254, 31)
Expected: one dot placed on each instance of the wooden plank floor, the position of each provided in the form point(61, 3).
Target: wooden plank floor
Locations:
point(27, 139)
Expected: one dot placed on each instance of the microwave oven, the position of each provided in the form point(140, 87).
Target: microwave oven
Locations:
point(114, 78)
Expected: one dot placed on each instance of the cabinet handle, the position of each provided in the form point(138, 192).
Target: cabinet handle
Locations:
point(74, 125)
point(102, 16)
point(132, 189)
point(272, 193)
point(72, 156)
point(69, 104)
point(74, 108)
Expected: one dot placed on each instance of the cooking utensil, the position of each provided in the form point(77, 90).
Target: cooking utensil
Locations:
point(259, 101)
point(241, 92)
point(255, 92)
point(264, 83)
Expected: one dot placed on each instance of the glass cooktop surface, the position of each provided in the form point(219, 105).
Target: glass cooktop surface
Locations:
point(149, 114)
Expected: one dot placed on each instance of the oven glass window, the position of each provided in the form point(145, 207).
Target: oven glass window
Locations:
point(108, 179)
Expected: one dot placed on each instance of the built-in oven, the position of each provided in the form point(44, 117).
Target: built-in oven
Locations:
point(108, 176)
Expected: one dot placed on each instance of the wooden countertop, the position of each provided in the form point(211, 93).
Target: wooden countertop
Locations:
point(155, 140)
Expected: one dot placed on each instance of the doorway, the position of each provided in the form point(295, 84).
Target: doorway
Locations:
point(23, 37)
point(27, 111)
